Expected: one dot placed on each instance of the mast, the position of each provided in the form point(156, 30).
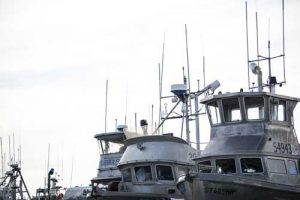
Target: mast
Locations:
point(187, 99)
point(2, 165)
point(105, 130)
point(160, 80)
point(106, 91)
point(247, 41)
point(283, 41)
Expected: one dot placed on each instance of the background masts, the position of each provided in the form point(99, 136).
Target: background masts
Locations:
point(257, 44)
point(106, 91)
point(161, 73)
point(283, 41)
point(204, 83)
point(48, 163)
point(2, 161)
point(187, 100)
point(247, 39)
point(159, 86)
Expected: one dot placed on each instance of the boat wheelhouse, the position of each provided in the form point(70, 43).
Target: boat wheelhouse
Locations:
point(111, 148)
point(253, 151)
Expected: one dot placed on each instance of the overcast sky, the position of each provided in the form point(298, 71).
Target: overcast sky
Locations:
point(55, 57)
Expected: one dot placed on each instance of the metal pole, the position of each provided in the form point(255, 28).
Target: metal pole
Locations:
point(197, 124)
point(135, 120)
point(106, 105)
point(152, 118)
point(159, 125)
point(159, 86)
point(257, 44)
point(204, 71)
point(283, 41)
point(247, 39)
point(187, 121)
point(2, 165)
point(269, 61)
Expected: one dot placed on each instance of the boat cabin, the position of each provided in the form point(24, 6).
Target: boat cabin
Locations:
point(252, 134)
point(152, 164)
point(111, 148)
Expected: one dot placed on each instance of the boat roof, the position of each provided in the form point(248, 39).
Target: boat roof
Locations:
point(235, 94)
point(117, 136)
point(153, 138)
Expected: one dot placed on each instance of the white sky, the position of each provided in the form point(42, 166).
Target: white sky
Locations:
point(55, 57)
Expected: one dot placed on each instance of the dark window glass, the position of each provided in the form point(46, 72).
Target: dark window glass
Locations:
point(254, 108)
point(126, 173)
point(205, 166)
point(143, 173)
point(164, 173)
point(225, 166)
point(251, 165)
point(292, 168)
point(277, 166)
point(231, 109)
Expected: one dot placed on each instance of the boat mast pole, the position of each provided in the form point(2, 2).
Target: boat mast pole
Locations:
point(188, 99)
point(106, 105)
point(106, 94)
point(197, 124)
point(247, 41)
point(283, 41)
point(2, 165)
point(257, 44)
point(159, 86)
point(160, 74)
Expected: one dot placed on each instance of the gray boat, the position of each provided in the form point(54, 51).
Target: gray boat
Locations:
point(253, 151)
point(111, 147)
point(150, 168)
point(152, 164)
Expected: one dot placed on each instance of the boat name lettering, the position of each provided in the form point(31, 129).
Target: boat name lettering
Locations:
point(283, 148)
point(113, 162)
point(192, 155)
point(221, 191)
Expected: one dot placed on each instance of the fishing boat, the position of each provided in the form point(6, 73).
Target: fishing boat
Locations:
point(111, 148)
point(150, 167)
point(153, 162)
point(253, 151)
point(13, 186)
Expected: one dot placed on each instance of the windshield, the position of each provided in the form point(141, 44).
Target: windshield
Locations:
point(107, 147)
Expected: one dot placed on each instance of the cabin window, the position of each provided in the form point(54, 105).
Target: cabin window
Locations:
point(276, 166)
point(292, 168)
point(225, 166)
point(205, 167)
point(251, 165)
point(181, 170)
point(126, 174)
point(143, 173)
point(164, 173)
point(231, 109)
point(107, 147)
point(214, 112)
point(277, 110)
point(254, 108)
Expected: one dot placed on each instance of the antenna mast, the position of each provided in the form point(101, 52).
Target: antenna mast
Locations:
point(272, 82)
point(2, 163)
point(160, 74)
point(283, 41)
point(106, 91)
point(247, 39)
